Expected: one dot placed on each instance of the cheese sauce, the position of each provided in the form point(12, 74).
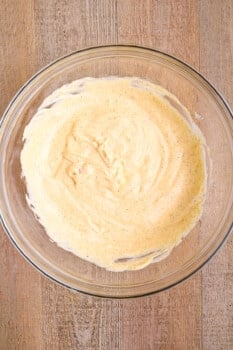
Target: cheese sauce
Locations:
point(114, 172)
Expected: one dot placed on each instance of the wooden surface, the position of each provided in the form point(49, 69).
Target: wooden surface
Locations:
point(35, 313)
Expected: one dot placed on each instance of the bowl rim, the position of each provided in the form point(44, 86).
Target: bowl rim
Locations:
point(109, 47)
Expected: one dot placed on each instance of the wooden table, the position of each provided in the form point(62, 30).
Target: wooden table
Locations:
point(36, 313)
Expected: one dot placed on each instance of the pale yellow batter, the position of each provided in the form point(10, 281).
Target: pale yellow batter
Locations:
point(115, 173)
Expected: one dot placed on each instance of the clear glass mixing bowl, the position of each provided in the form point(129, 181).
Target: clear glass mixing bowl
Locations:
point(209, 111)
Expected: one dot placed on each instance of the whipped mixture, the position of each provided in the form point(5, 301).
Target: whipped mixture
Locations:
point(114, 173)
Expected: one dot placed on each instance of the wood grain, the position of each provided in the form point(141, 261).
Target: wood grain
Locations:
point(217, 64)
point(36, 313)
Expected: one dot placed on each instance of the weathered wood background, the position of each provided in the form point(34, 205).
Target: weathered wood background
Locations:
point(35, 313)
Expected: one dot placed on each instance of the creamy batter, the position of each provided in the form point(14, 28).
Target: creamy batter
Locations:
point(114, 173)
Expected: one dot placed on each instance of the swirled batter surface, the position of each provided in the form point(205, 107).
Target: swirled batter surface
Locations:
point(113, 171)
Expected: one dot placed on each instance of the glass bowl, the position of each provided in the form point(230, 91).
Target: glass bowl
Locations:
point(209, 111)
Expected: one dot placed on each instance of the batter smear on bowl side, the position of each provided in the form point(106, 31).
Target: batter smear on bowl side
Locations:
point(114, 172)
